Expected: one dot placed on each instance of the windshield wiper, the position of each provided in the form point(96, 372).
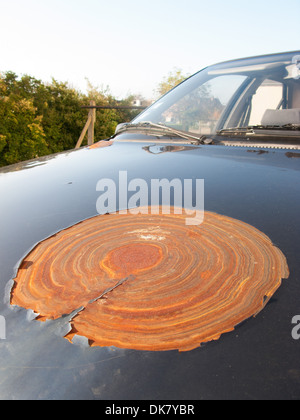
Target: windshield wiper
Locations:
point(253, 130)
point(157, 128)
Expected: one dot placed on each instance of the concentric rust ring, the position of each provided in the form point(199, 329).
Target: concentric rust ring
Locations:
point(169, 286)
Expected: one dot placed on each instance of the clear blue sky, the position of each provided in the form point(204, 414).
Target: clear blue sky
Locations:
point(130, 45)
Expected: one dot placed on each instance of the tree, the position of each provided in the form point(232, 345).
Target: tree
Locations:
point(21, 133)
point(62, 118)
point(173, 79)
point(106, 119)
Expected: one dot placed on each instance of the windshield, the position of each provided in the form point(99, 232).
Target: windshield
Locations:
point(262, 92)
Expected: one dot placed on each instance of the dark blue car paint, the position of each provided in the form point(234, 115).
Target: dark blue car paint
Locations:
point(259, 360)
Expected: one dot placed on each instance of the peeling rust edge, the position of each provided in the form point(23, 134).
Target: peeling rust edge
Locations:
point(31, 315)
point(11, 282)
point(66, 328)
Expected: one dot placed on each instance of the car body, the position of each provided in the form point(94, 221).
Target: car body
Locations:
point(236, 126)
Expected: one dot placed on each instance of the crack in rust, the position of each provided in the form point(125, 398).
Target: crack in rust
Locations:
point(103, 295)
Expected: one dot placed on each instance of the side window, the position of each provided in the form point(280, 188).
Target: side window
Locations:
point(269, 95)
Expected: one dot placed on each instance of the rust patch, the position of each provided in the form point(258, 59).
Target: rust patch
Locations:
point(149, 282)
point(101, 143)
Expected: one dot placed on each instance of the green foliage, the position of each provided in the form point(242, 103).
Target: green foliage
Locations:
point(63, 119)
point(21, 132)
point(106, 119)
point(37, 119)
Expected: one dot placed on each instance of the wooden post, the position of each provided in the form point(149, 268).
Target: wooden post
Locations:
point(89, 126)
point(80, 140)
point(92, 113)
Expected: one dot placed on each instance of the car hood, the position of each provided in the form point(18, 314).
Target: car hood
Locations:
point(39, 198)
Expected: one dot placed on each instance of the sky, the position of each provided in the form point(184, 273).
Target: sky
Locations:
point(132, 45)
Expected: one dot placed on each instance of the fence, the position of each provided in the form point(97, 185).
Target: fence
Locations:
point(90, 124)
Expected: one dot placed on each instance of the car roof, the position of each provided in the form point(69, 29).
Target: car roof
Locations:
point(264, 57)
